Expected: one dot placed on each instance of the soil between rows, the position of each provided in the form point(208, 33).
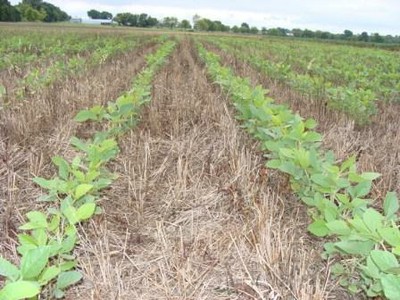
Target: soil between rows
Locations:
point(194, 214)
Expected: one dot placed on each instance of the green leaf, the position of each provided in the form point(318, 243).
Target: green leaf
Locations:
point(68, 244)
point(355, 247)
point(371, 270)
point(348, 164)
point(68, 210)
point(8, 270)
point(19, 290)
point(360, 190)
point(339, 227)
point(34, 261)
point(37, 220)
point(390, 235)
point(273, 163)
point(49, 274)
point(66, 279)
point(384, 260)
point(68, 265)
point(391, 286)
point(44, 183)
point(372, 219)
point(85, 115)
point(318, 228)
point(82, 189)
point(86, 211)
point(390, 205)
point(63, 167)
point(310, 124)
point(370, 176)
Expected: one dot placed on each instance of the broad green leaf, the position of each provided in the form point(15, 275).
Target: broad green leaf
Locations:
point(40, 235)
point(34, 261)
point(82, 189)
point(55, 222)
point(370, 176)
point(85, 115)
point(390, 235)
point(372, 219)
point(79, 144)
point(339, 227)
point(66, 279)
point(390, 205)
point(63, 167)
point(19, 290)
point(37, 220)
point(68, 265)
point(58, 294)
point(384, 260)
point(49, 274)
point(318, 228)
point(68, 244)
point(274, 163)
point(312, 136)
point(348, 164)
point(371, 270)
point(44, 183)
point(355, 247)
point(360, 190)
point(8, 270)
point(391, 286)
point(310, 124)
point(69, 211)
point(86, 211)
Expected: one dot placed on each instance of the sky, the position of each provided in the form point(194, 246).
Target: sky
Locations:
point(382, 16)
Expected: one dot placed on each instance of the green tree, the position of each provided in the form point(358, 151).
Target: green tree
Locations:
point(264, 30)
point(185, 24)
point(53, 13)
point(254, 30)
point(170, 22)
point(105, 15)
point(377, 38)
point(30, 14)
point(244, 28)
point(8, 13)
point(94, 14)
point(347, 34)
point(235, 29)
point(364, 37)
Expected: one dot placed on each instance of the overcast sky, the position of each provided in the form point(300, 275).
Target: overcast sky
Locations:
point(381, 16)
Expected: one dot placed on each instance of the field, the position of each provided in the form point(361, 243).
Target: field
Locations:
point(149, 165)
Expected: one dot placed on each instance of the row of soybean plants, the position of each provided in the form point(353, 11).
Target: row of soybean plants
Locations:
point(48, 238)
point(98, 52)
point(313, 73)
point(342, 65)
point(364, 240)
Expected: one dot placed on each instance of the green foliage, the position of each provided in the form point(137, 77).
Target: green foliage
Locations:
point(49, 238)
point(337, 195)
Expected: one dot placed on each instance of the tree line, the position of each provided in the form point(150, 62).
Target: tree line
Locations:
point(38, 10)
point(31, 11)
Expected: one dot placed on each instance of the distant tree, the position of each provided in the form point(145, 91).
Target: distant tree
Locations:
point(308, 34)
point(364, 37)
point(152, 22)
point(94, 14)
point(105, 15)
point(244, 28)
point(202, 25)
point(347, 34)
point(377, 38)
point(254, 30)
point(274, 32)
point(235, 29)
point(125, 19)
point(297, 32)
point(170, 22)
point(8, 13)
point(263, 30)
point(30, 14)
point(195, 19)
point(54, 13)
point(185, 24)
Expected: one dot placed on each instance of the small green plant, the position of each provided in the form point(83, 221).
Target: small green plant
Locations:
point(48, 239)
point(364, 239)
